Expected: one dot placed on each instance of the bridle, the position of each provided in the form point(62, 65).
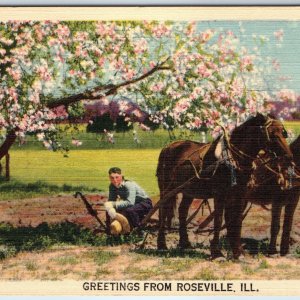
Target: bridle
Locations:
point(254, 161)
point(264, 129)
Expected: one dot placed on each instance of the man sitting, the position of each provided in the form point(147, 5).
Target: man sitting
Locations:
point(126, 199)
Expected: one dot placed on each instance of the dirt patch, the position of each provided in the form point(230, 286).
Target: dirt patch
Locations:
point(51, 210)
point(126, 261)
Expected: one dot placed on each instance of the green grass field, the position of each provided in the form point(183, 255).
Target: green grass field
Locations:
point(83, 168)
point(36, 171)
point(293, 125)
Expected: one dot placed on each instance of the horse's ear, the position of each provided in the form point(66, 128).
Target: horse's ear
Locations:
point(271, 116)
point(260, 117)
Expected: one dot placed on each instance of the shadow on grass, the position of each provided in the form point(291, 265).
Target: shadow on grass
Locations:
point(14, 188)
point(250, 245)
point(173, 252)
point(16, 239)
point(254, 247)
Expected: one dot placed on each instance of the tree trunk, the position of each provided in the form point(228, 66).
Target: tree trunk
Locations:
point(7, 170)
point(10, 139)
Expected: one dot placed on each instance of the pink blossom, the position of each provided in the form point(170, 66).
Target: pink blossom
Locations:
point(81, 36)
point(129, 74)
point(40, 136)
point(39, 33)
point(119, 63)
point(279, 34)
point(6, 41)
point(60, 112)
point(76, 142)
point(48, 145)
point(101, 61)
point(197, 122)
point(275, 64)
point(52, 42)
point(100, 28)
point(144, 127)
point(205, 36)
point(287, 95)
point(140, 46)
point(160, 30)
point(216, 132)
point(15, 73)
point(246, 63)
point(203, 71)
point(105, 29)
point(152, 64)
point(62, 31)
point(43, 73)
point(157, 87)
point(80, 52)
point(98, 52)
point(35, 98)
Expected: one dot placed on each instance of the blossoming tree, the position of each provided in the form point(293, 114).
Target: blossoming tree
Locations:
point(178, 74)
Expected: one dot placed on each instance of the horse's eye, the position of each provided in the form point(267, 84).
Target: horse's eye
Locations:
point(284, 133)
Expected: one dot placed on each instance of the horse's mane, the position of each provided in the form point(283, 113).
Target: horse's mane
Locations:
point(239, 132)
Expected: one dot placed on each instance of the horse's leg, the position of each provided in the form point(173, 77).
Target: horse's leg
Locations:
point(183, 212)
point(288, 222)
point(275, 225)
point(171, 211)
point(233, 219)
point(161, 238)
point(218, 220)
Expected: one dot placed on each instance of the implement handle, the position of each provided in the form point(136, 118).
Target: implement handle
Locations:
point(89, 208)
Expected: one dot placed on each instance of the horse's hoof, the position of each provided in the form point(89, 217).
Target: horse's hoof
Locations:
point(216, 254)
point(273, 254)
point(185, 245)
point(284, 252)
point(242, 259)
point(287, 255)
point(219, 259)
point(162, 247)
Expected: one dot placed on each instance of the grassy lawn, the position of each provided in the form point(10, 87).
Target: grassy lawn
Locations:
point(293, 125)
point(84, 169)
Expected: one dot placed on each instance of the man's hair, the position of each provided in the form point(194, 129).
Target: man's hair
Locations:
point(114, 170)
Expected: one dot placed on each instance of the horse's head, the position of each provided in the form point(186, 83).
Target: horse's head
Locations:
point(295, 148)
point(262, 133)
point(275, 138)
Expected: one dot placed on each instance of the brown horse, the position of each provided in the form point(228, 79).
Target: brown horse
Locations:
point(192, 169)
point(271, 193)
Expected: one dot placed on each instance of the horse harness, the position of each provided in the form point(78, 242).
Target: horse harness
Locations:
point(226, 156)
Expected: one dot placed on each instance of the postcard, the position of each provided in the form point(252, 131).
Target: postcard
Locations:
point(150, 151)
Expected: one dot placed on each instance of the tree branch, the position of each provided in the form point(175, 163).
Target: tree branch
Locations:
point(109, 89)
point(88, 95)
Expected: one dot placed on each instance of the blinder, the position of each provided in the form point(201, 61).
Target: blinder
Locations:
point(284, 133)
point(265, 127)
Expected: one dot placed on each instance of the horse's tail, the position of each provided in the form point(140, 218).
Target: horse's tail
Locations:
point(164, 173)
point(164, 168)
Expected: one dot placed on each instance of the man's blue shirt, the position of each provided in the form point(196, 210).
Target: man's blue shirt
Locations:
point(129, 193)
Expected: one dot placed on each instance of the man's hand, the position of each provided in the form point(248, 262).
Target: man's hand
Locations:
point(109, 207)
